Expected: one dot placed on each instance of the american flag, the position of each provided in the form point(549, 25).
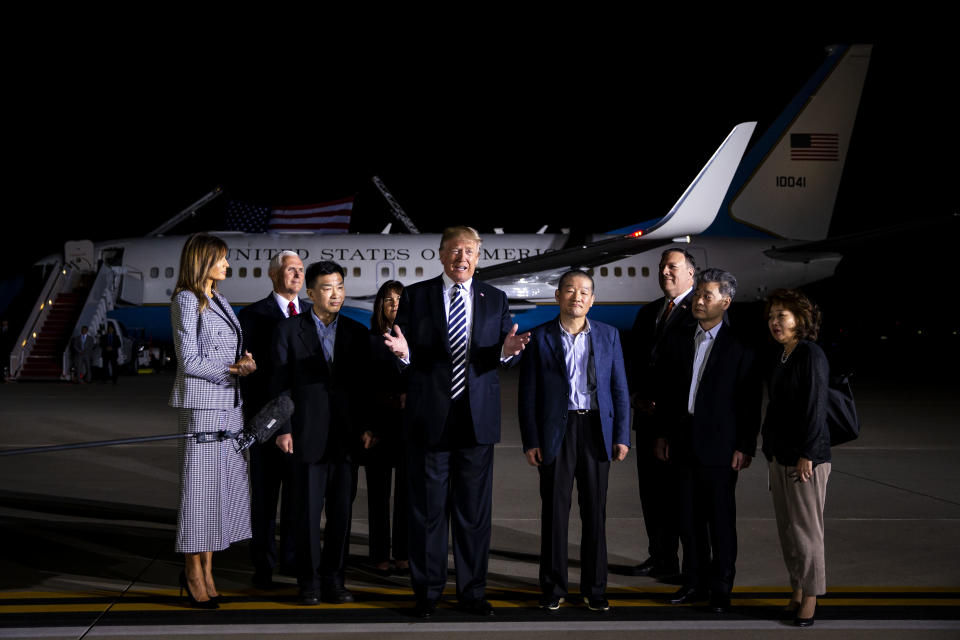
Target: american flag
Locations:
point(814, 146)
point(324, 217)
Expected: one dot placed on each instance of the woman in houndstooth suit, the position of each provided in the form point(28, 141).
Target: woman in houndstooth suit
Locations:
point(214, 495)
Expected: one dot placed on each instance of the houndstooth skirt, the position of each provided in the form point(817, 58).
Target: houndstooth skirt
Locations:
point(214, 492)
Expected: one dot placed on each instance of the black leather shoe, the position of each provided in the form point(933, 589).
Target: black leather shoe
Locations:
point(425, 609)
point(337, 595)
point(686, 595)
point(720, 603)
point(479, 607)
point(665, 570)
point(551, 603)
point(805, 622)
point(644, 568)
point(597, 604)
point(309, 597)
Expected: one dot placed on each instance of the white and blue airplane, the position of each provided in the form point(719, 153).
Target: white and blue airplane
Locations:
point(764, 217)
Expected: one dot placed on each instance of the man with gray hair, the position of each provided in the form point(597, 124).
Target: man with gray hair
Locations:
point(708, 418)
point(270, 469)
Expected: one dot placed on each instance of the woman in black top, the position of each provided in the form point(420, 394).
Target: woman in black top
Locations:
point(796, 442)
point(383, 445)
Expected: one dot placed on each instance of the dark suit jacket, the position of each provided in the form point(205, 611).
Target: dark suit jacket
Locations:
point(727, 408)
point(642, 347)
point(545, 389)
point(421, 318)
point(258, 321)
point(329, 405)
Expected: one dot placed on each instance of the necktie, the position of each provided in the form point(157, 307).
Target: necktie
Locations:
point(457, 331)
point(666, 313)
point(291, 309)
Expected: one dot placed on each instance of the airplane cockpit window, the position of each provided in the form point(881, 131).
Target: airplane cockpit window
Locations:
point(168, 272)
point(154, 272)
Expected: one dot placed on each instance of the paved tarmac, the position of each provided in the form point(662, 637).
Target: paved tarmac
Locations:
point(88, 535)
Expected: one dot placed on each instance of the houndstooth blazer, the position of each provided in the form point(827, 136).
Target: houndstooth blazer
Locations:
point(206, 345)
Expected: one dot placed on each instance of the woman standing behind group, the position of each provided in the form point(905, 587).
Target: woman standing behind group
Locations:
point(214, 496)
point(383, 444)
point(796, 441)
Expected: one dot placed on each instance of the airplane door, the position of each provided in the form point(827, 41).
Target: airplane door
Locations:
point(385, 271)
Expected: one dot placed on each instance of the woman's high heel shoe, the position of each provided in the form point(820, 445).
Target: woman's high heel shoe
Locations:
point(206, 604)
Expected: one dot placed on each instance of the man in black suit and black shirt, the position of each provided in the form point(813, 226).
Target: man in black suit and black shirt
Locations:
point(708, 415)
point(271, 471)
point(655, 320)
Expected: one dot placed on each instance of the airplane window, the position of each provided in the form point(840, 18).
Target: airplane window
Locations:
point(617, 271)
point(229, 272)
point(168, 272)
point(419, 271)
point(257, 272)
point(385, 272)
point(632, 271)
point(590, 271)
point(645, 272)
point(243, 272)
point(356, 272)
point(402, 271)
point(603, 272)
point(154, 272)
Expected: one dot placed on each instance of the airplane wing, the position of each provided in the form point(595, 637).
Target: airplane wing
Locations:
point(692, 213)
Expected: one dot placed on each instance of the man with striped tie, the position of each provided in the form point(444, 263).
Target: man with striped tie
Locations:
point(453, 334)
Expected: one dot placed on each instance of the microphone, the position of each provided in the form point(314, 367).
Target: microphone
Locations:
point(261, 428)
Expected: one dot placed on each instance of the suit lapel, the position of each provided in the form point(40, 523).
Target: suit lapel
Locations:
point(437, 310)
point(479, 307)
point(717, 353)
point(310, 340)
point(555, 343)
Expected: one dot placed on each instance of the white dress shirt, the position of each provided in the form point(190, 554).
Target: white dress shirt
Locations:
point(284, 304)
point(702, 344)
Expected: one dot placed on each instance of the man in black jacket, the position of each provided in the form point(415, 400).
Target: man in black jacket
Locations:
point(271, 472)
point(708, 415)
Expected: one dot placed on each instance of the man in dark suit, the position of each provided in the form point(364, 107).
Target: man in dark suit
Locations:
point(83, 346)
point(657, 499)
point(452, 333)
point(110, 345)
point(574, 419)
point(271, 471)
point(321, 359)
point(708, 412)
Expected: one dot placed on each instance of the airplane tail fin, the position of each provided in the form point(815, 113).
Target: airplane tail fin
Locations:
point(787, 184)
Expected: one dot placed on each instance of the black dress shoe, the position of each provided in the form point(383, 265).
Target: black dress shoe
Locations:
point(805, 622)
point(479, 607)
point(551, 603)
point(720, 603)
point(665, 570)
point(337, 595)
point(309, 597)
point(686, 595)
point(425, 609)
point(644, 568)
point(597, 604)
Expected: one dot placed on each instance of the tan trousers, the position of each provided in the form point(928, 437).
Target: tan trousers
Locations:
point(799, 510)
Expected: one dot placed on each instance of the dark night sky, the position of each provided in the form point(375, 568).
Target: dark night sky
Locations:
point(589, 135)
